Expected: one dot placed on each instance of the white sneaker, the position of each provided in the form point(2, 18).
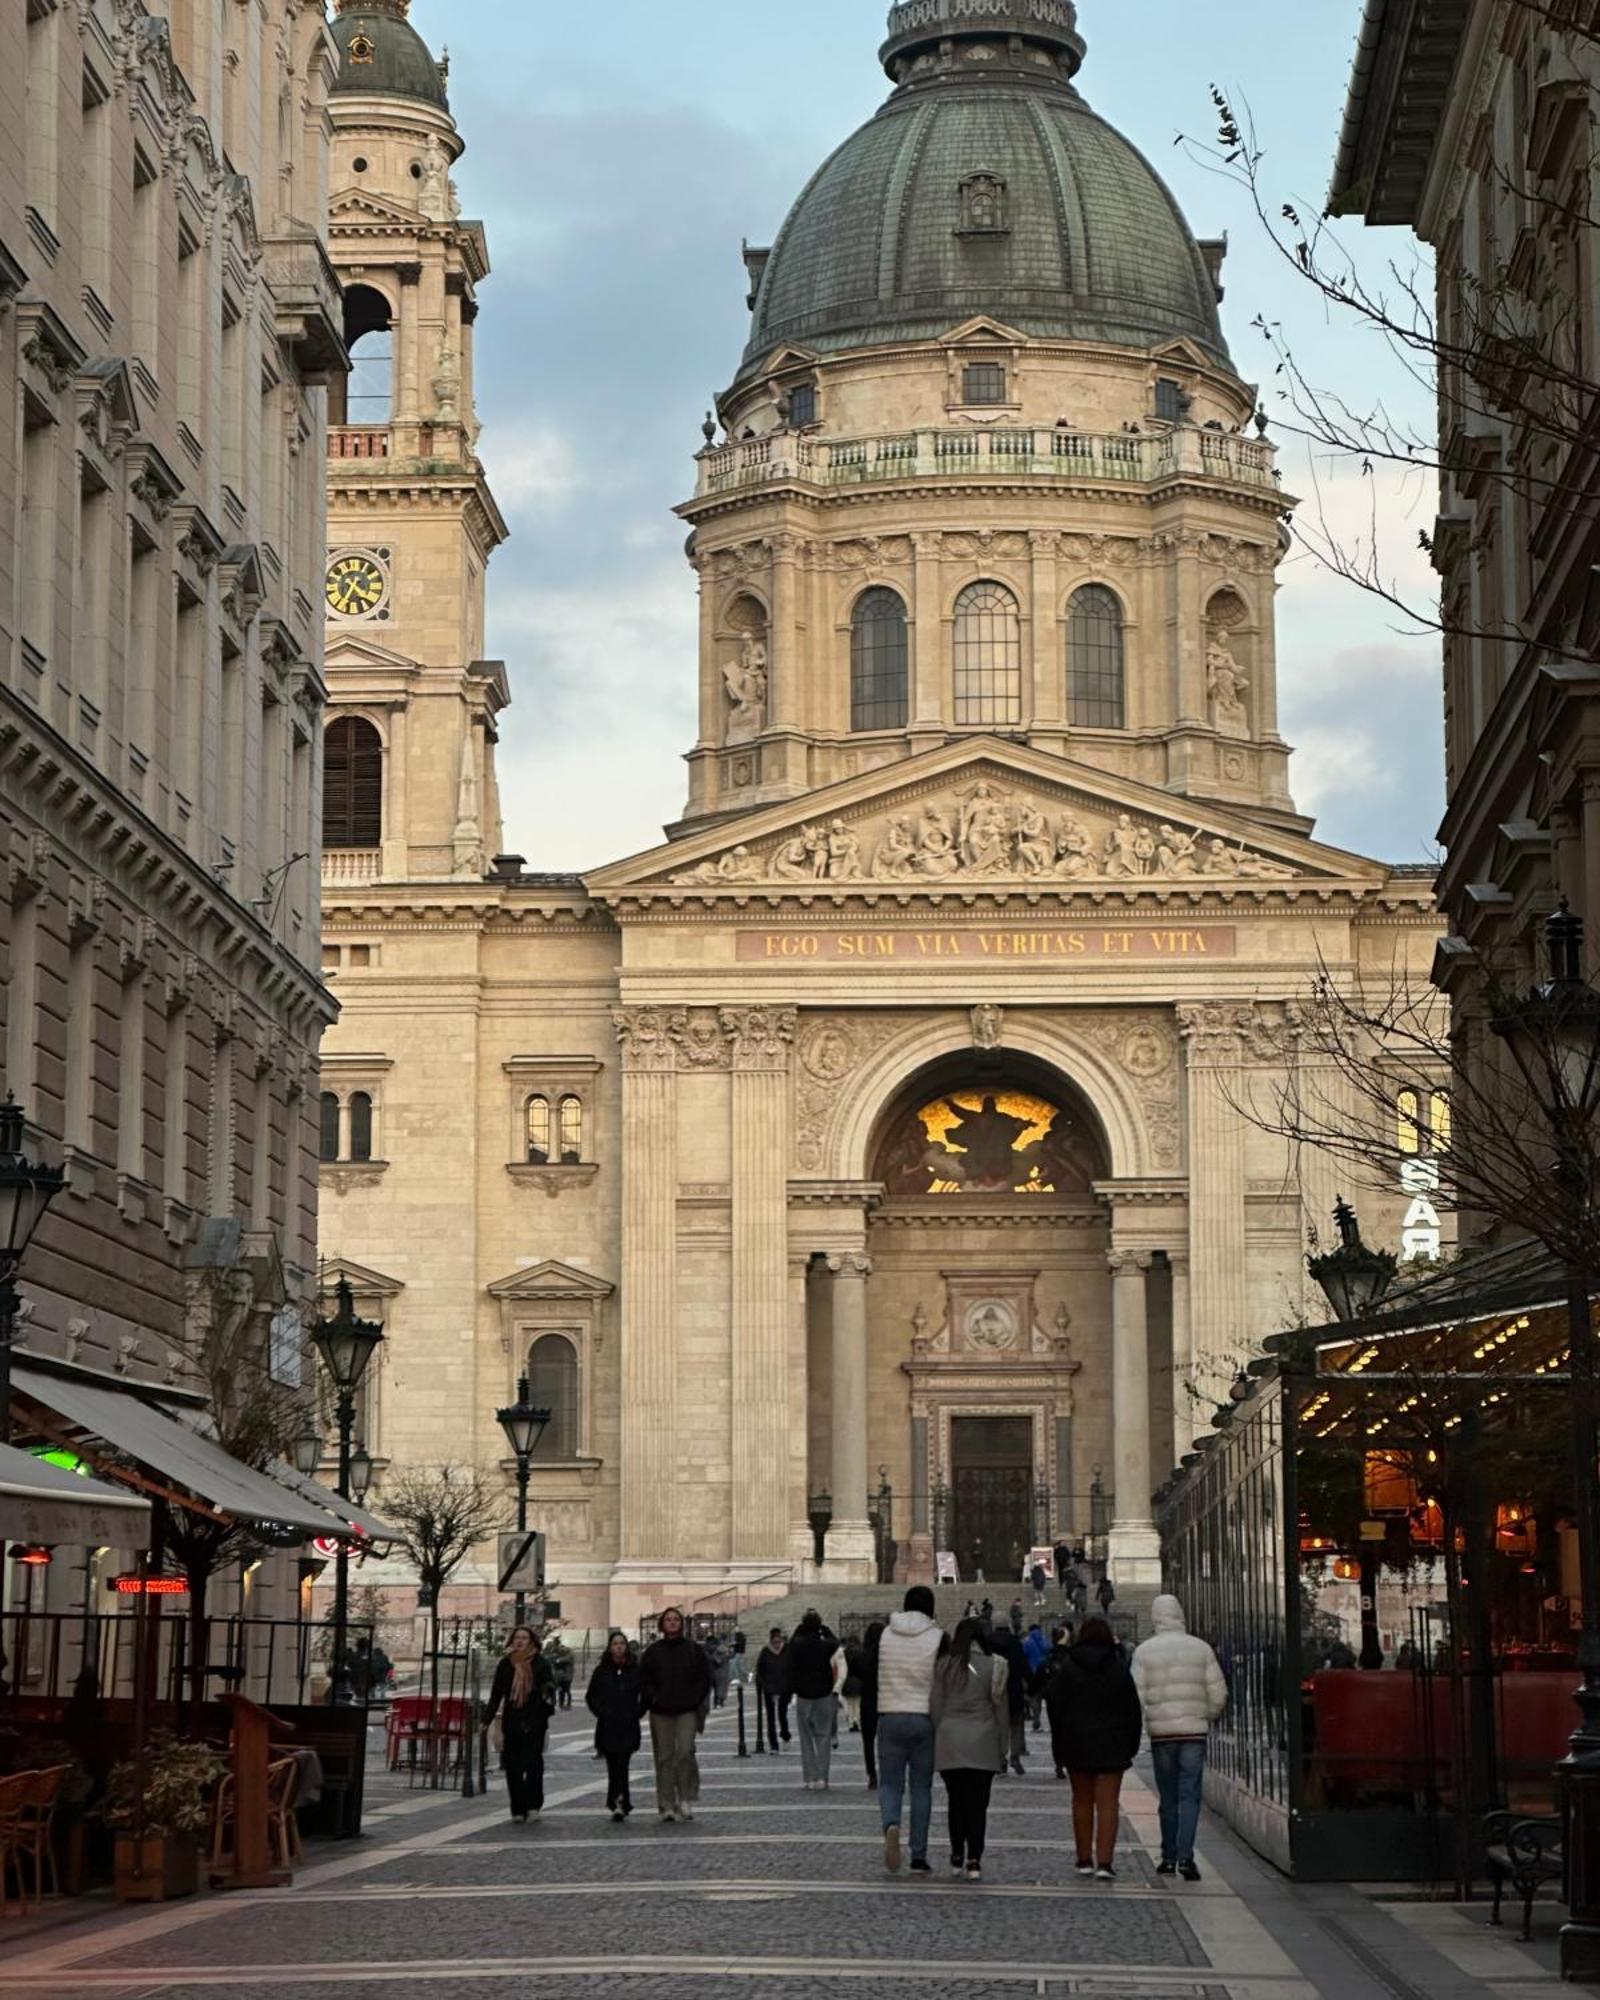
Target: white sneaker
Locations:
point(668, 1818)
point(686, 1812)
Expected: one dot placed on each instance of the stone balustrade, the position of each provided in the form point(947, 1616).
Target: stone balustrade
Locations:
point(358, 440)
point(351, 864)
point(1128, 458)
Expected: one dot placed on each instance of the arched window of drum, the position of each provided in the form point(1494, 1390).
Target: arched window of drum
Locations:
point(352, 784)
point(1096, 680)
point(571, 1131)
point(540, 1131)
point(879, 662)
point(360, 1126)
point(553, 1385)
point(988, 656)
point(328, 1134)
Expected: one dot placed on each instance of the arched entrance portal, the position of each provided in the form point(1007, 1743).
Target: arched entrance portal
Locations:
point(989, 1312)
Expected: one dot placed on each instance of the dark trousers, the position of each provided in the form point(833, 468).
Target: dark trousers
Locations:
point(969, 1812)
point(869, 1741)
point(618, 1797)
point(564, 1694)
point(523, 1761)
point(777, 1715)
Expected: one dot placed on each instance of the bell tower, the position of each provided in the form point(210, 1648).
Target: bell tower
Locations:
point(410, 790)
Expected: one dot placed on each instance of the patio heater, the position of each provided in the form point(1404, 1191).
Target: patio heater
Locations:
point(26, 1192)
point(1553, 1035)
point(524, 1426)
point(1356, 1280)
point(345, 1345)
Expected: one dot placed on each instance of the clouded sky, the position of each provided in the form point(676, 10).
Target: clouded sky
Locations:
point(619, 154)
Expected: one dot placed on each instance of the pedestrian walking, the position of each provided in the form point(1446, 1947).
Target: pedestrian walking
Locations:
point(971, 1720)
point(563, 1666)
point(739, 1663)
point(721, 1671)
point(855, 1655)
point(1005, 1645)
point(616, 1701)
point(675, 1687)
point(1082, 1578)
point(1036, 1651)
point(869, 1699)
point(1183, 1690)
point(1095, 1725)
point(1038, 1579)
point(986, 1615)
point(1060, 1647)
point(906, 1656)
point(772, 1686)
point(814, 1681)
point(1061, 1555)
point(1018, 1617)
point(1105, 1594)
point(522, 1698)
point(977, 1560)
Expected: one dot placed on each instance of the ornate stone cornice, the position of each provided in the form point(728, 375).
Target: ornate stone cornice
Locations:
point(648, 1048)
point(1225, 1032)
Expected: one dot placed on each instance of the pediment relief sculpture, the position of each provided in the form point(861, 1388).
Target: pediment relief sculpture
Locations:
point(984, 832)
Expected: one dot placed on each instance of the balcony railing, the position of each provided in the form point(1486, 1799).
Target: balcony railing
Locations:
point(352, 864)
point(1128, 458)
point(358, 441)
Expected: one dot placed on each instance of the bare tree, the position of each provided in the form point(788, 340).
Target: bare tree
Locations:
point(443, 1513)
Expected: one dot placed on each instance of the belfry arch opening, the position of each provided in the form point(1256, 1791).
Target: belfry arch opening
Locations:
point(366, 395)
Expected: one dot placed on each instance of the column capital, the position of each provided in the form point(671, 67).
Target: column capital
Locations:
point(849, 1264)
point(648, 1047)
point(1122, 1263)
point(1223, 1033)
point(761, 1037)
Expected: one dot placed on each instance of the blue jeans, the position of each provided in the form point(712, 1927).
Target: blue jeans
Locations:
point(905, 1744)
point(1180, 1781)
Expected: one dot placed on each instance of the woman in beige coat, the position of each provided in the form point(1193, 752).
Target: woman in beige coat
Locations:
point(972, 1723)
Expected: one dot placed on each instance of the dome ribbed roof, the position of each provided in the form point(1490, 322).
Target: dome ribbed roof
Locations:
point(903, 233)
point(382, 55)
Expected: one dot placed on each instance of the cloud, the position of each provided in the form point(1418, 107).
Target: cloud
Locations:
point(1369, 757)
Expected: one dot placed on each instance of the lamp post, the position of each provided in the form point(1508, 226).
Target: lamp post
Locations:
point(523, 1426)
point(1554, 1038)
point(345, 1345)
point(26, 1191)
point(819, 1512)
point(360, 1475)
point(307, 1450)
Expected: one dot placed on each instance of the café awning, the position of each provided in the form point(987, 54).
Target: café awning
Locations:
point(366, 1525)
point(175, 1452)
point(46, 1504)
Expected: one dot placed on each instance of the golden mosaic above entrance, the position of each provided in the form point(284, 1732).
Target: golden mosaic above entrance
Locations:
point(987, 1141)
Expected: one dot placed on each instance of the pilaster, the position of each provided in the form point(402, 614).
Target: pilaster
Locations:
point(1135, 1549)
point(1215, 1036)
point(649, 1282)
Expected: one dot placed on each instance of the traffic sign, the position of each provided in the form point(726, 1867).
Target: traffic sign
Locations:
point(521, 1562)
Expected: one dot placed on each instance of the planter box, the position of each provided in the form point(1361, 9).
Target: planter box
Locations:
point(157, 1868)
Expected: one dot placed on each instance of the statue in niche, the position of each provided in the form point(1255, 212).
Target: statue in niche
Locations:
point(746, 682)
point(985, 835)
point(938, 854)
point(988, 1023)
point(1074, 850)
point(434, 199)
point(1227, 685)
point(1035, 849)
point(447, 383)
point(1122, 849)
point(844, 853)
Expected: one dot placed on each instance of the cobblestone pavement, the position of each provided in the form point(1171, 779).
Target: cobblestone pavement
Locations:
point(770, 1890)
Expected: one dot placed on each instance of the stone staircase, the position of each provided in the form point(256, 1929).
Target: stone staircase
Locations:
point(851, 1602)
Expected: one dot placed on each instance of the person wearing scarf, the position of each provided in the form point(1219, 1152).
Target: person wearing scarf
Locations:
point(525, 1690)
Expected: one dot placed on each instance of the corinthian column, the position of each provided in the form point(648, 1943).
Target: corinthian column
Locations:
point(649, 1282)
point(1135, 1549)
point(1215, 1038)
point(761, 1038)
point(850, 1545)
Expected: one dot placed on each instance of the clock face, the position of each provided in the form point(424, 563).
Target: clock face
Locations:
point(356, 586)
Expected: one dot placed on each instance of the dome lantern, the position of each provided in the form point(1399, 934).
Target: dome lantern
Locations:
point(382, 55)
point(921, 27)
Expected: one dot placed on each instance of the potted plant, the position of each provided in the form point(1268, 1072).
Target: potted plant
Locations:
point(158, 1804)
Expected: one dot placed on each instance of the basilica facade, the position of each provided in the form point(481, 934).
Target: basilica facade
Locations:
point(888, 1156)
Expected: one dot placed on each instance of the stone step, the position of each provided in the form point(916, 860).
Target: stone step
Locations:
point(852, 1605)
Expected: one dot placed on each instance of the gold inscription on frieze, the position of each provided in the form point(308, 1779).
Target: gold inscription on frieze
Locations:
point(1089, 943)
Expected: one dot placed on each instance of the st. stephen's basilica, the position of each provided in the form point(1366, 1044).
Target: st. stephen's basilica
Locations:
point(880, 1144)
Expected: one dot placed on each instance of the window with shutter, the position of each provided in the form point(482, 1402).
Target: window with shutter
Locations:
point(352, 784)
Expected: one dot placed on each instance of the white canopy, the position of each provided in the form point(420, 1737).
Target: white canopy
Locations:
point(45, 1503)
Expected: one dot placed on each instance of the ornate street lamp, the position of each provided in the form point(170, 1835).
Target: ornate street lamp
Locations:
point(360, 1474)
point(1554, 1038)
point(26, 1192)
point(819, 1512)
point(307, 1451)
point(1355, 1279)
point(345, 1345)
point(524, 1426)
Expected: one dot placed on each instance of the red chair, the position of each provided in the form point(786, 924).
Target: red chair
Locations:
point(407, 1723)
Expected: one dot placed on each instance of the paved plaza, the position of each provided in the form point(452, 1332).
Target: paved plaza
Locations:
point(771, 1889)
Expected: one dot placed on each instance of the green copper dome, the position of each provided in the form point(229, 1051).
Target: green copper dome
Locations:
point(985, 185)
point(382, 55)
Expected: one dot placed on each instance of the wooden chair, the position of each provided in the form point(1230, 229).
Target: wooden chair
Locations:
point(283, 1779)
point(14, 1838)
point(222, 1820)
point(37, 1823)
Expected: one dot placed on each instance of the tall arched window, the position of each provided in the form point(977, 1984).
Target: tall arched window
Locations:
point(352, 784)
point(988, 656)
point(571, 1131)
point(539, 1131)
point(328, 1127)
point(367, 395)
point(1096, 682)
point(360, 1126)
point(553, 1386)
point(879, 661)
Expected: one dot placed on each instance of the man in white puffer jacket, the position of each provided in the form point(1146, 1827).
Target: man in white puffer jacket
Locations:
point(1183, 1691)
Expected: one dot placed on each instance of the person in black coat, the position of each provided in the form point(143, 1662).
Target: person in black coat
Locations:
point(616, 1701)
point(525, 1689)
point(871, 1641)
point(1005, 1645)
point(773, 1687)
point(1095, 1724)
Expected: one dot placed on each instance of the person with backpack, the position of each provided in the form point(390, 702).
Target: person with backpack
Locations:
point(1005, 1645)
point(905, 1738)
point(1035, 1651)
point(1181, 1684)
point(971, 1716)
point(1095, 1725)
point(814, 1681)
